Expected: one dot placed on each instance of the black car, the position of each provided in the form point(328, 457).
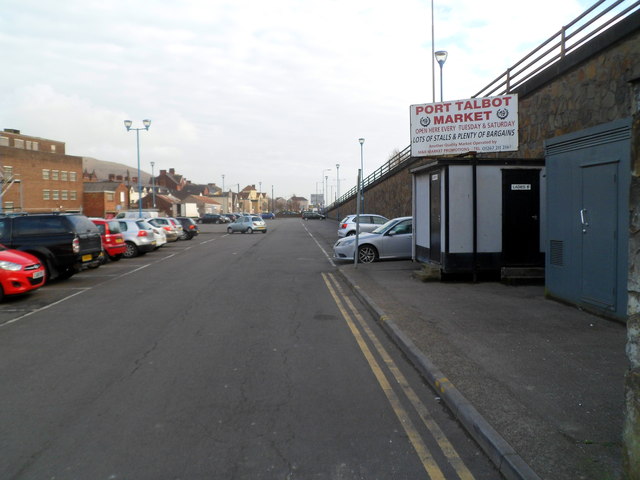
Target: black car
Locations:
point(312, 216)
point(213, 218)
point(189, 228)
point(64, 243)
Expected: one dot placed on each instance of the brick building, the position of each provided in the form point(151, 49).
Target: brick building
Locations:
point(105, 199)
point(37, 175)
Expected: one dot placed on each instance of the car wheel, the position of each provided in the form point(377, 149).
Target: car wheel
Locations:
point(229, 230)
point(264, 231)
point(131, 251)
point(249, 230)
point(115, 258)
point(1, 293)
point(349, 234)
point(367, 254)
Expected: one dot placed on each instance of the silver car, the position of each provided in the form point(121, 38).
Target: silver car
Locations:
point(172, 228)
point(248, 224)
point(368, 222)
point(391, 240)
point(138, 236)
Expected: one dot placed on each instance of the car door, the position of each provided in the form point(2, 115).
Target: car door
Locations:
point(398, 240)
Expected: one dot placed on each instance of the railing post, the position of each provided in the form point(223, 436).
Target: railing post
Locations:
point(563, 39)
point(508, 80)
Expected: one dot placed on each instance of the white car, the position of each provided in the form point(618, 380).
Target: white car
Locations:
point(368, 222)
point(161, 237)
point(391, 240)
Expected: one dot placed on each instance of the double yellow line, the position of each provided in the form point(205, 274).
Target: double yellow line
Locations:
point(430, 465)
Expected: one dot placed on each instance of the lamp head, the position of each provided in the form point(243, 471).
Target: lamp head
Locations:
point(441, 56)
point(127, 124)
point(147, 123)
point(361, 140)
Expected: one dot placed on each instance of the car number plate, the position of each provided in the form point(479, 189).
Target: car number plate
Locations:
point(87, 258)
point(119, 240)
point(39, 274)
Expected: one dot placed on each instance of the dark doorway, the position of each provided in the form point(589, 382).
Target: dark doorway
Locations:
point(521, 217)
point(435, 223)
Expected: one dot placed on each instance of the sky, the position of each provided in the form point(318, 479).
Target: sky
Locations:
point(251, 92)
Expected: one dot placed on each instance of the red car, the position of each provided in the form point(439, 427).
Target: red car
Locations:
point(112, 238)
point(20, 272)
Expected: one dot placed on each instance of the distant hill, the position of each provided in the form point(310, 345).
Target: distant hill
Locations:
point(104, 168)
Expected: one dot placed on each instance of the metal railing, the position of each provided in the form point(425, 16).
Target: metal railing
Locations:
point(591, 23)
point(395, 162)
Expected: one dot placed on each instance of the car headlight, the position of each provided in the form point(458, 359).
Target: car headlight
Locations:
point(14, 267)
point(345, 242)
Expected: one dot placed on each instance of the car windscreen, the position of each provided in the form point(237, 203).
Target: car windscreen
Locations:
point(114, 227)
point(382, 228)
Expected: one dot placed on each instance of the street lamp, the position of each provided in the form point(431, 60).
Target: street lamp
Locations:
point(361, 140)
point(147, 124)
point(153, 184)
point(441, 57)
point(322, 178)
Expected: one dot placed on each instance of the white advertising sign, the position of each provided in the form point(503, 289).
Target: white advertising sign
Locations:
point(482, 125)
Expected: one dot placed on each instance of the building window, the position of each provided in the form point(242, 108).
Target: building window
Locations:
point(18, 143)
point(45, 174)
point(8, 206)
point(110, 196)
point(28, 144)
point(54, 174)
point(72, 176)
point(64, 176)
point(35, 145)
point(46, 194)
point(53, 149)
point(72, 195)
point(65, 195)
point(55, 194)
point(8, 171)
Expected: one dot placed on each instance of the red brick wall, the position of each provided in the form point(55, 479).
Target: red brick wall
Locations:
point(27, 165)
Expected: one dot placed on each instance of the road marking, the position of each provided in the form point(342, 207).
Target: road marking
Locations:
point(443, 442)
point(9, 322)
point(319, 246)
point(428, 462)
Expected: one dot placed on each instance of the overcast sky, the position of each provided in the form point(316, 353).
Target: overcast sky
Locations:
point(271, 91)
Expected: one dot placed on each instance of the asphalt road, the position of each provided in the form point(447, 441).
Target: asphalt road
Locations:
point(224, 357)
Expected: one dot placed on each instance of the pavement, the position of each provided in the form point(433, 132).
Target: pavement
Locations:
point(539, 384)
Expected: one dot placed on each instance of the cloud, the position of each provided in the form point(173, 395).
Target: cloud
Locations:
point(272, 92)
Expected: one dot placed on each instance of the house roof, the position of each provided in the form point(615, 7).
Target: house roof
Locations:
point(93, 187)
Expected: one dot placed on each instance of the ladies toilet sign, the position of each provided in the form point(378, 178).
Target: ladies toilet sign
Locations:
point(487, 124)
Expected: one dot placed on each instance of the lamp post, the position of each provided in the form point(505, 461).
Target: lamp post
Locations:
point(361, 140)
point(153, 184)
point(441, 57)
point(322, 178)
point(147, 124)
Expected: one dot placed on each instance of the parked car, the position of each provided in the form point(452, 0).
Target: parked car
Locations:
point(172, 229)
point(138, 236)
point(112, 239)
point(268, 215)
point(368, 223)
point(248, 224)
point(213, 218)
point(309, 215)
point(189, 228)
point(161, 238)
point(63, 243)
point(231, 216)
point(20, 272)
point(391, 240)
